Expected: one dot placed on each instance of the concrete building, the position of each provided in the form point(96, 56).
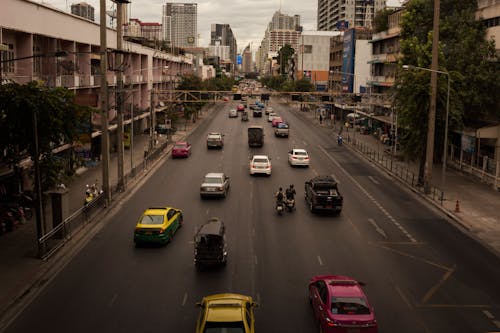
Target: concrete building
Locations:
point(84, 10)
point(39, 33)
point(221, 51)
point(180, 24)
point(313, 57)
point(147, 30)
point(222, 34)
point(342, 15)
point(489, 12)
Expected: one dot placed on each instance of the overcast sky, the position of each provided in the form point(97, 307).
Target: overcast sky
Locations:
point(248, 18)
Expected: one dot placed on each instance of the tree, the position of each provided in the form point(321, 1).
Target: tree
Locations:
point(59, 121)
point(463, 52)
point(381, 20)
point(284, 54)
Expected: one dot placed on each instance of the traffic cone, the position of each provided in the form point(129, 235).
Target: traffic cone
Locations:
point(457, 207)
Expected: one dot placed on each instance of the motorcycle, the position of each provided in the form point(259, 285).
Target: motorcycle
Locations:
point(279, 207)
point(290, 204)
point(91, 192)
point(340, 140)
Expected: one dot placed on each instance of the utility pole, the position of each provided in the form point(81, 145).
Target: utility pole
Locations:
point(104, 105)
point(119, 94)
point(429, 154)
point(151, 122)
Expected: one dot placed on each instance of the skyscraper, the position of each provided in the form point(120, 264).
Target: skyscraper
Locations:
point(180, 24)
point(341, 15)
point(222, 34)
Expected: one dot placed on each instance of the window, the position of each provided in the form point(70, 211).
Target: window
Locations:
point(349, 306)
point(152, 219)
point(8, 67)
point(308, 49)
point(170, 214)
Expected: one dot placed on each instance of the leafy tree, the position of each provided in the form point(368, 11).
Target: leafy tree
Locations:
point(284, 54)
point(381, 20)
point(191, 82)
point(463, 53)
point(59, 121)
point(304, 85)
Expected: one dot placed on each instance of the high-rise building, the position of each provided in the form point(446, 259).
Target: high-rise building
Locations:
point(84, 10)
point(222, 34)
point(180, 24)
point(246, 65)
point(342, 15)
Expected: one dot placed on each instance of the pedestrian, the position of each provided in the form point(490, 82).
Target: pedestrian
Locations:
point(332, 119)
point(320, 119)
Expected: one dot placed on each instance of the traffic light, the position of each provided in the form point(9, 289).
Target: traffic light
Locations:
point(237, 97)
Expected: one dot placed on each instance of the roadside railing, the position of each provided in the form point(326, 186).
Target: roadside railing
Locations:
point(397, 168)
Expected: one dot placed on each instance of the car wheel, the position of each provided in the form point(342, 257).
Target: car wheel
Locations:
point(224, 194)
point(320, 328)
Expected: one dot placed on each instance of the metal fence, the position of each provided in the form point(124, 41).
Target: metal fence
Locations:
point(397, 168)
point(482, 167)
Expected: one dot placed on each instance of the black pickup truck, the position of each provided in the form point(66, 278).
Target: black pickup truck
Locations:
point(322, 194)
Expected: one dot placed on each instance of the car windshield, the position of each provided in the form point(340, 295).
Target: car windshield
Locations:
point(214, 137)
point(151, 219)
point(180, 146)
point(301, 153)
point(349, 306)
point(212, 180)
point(282, 125)
point(224, 327)
point(260, 160)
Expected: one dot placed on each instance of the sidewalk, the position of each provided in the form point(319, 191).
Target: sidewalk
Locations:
point(21, 270)
point(478, 203)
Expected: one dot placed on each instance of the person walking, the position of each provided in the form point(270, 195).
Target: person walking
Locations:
point(320, 119)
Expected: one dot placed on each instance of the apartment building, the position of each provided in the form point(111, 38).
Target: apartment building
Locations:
point(247, 64)
point(489, 12)
point(38, 49)
point(84, 10)
point(147, 30)
point(180, 24)
point(342, 15)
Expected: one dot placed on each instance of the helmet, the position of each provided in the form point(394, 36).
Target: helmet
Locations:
point(281, 189)
point(291, 186)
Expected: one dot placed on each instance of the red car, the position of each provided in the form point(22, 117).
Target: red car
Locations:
point(276, 121)
point(240, 107)
point(181, 149)
point(340, 305)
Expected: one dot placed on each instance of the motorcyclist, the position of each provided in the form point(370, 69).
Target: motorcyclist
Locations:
point(290, 193)
point(340, 139)
point(280, 196)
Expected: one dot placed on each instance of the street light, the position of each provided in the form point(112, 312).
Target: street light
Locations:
point(443, 173)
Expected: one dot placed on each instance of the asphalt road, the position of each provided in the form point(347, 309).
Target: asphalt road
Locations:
point(421, 273)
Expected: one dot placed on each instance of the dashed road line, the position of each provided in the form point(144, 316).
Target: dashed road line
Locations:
point(255, 259)
point(374, 180)
point(497, 323)
point(113, 299)
point(403, 297)
point(184, 299)
point(377, 228)
point(488, 314)
point(372, 199)
point(320, 261)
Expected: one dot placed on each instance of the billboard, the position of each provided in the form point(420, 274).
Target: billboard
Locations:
point(239, 59)
point(348, 61)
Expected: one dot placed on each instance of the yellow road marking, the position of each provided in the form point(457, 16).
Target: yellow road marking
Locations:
point(436, 287)
point(405, 300)
point(416, 258)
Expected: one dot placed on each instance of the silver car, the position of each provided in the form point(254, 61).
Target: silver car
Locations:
point(214, 184)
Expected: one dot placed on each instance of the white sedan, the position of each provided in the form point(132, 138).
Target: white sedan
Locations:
point(260, 164)
point(298, 157)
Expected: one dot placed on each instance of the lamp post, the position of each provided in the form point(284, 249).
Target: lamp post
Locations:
point(443, 173)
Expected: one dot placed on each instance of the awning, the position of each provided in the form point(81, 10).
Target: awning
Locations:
point(490, 132)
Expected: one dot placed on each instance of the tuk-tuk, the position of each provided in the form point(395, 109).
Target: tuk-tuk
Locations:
point(210, 246)
point(244, 116)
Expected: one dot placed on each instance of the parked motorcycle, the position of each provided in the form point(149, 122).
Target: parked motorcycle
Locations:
point(91, 192)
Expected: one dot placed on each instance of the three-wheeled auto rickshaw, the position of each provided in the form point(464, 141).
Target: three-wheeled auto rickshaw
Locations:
point(210, 248)
point(244, 116)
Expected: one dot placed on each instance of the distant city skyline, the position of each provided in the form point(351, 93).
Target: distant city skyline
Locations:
point(248, 19)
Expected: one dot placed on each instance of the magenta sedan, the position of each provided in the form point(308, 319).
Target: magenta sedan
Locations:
point(181, 149)
point(340, 305)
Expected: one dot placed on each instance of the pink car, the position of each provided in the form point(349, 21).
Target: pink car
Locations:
point(340, 305)
point(181, 149)
point(276, 121)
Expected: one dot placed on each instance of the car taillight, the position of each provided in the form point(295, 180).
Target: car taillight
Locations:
point(330, 322)
point(294, 157)
point(221, 188)
point(306, 158)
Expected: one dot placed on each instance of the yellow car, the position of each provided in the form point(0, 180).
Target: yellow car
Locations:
point(226, 313)
point(157, 225)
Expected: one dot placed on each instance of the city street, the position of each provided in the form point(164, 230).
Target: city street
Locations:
point(422, 274)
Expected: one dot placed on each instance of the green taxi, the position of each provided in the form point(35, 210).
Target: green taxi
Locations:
point(157, 225)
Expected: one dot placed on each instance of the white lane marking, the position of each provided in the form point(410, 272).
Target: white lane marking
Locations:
point(374, 180)
point(184, 299)
point(375, 202)
point(377, 228)
point(113, 299)
point(256, 262)
point(488, 314)
point(208, 211)
point(320, 261)
point(497, 323)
